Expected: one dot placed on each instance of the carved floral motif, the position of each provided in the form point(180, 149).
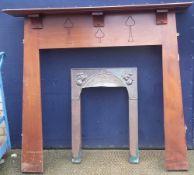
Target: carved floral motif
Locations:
point(127, 77)
point(80, 78)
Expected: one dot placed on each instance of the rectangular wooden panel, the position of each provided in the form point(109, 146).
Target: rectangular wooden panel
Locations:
point(77, 31)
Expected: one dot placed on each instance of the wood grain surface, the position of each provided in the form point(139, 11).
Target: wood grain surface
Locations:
point(175, 140)
point(32, 144)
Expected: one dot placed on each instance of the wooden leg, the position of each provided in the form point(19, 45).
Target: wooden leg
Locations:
point(133, 131)
point(76, 131)
point(175, 141)
point(32, 144)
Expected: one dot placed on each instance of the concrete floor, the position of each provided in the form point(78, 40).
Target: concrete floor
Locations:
point(97, 162)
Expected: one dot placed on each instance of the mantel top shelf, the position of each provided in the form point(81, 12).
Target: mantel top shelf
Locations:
point(105, 9)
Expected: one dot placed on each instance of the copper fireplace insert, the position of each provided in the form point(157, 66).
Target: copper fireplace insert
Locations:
point(104, 77)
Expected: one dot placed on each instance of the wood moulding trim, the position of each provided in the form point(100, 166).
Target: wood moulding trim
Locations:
point(105, 9)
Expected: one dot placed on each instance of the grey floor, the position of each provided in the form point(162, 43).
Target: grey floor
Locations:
point(97, 162)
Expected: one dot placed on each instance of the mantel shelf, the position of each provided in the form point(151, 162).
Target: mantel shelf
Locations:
point(105, 9)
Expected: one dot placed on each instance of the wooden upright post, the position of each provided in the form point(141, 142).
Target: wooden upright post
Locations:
point(32, 156)
point(175, 141)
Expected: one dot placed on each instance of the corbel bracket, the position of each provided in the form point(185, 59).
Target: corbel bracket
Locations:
point(36, 21)
point(98, 19)
point(161, 17)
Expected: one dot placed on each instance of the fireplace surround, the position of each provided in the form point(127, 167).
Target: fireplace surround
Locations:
point(106, 26)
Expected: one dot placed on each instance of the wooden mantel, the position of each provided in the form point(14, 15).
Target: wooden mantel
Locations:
point(106, 26)
point(107, 9)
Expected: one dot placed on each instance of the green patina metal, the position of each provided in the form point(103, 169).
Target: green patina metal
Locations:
point(76, 158)
point(134, 159)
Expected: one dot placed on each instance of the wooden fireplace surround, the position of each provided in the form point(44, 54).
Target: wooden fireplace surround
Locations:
point(107, 26)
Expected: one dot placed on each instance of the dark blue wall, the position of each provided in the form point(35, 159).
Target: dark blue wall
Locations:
point(104, 110)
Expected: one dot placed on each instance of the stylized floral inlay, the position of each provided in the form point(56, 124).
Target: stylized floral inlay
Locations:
point(130, 22)
point(99, 34)
point(68, 24)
